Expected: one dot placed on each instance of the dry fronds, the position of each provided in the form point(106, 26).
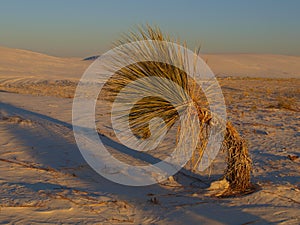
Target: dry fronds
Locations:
point(185, 92)
point(239, 163)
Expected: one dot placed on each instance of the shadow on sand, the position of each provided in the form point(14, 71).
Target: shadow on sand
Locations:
point(57, 135)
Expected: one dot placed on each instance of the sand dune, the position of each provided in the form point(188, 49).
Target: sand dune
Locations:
point(16, 63)
point(254, 65)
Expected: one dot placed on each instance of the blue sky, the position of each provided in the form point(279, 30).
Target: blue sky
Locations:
point(83, 28)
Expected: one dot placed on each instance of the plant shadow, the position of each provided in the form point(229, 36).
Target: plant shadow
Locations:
point(53, 146)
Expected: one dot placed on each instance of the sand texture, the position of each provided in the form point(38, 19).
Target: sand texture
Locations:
point(45, 180)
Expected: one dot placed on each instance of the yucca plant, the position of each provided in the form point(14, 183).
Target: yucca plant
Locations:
point(184, 91)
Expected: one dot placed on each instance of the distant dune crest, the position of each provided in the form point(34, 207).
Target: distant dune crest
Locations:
point(91, 58)
point(16, 62)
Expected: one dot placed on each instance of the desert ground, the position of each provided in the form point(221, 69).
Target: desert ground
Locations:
point(45, 180)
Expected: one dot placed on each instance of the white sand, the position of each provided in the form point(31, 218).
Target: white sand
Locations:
point(27, 64)
point(254, 65)
point(44, 179)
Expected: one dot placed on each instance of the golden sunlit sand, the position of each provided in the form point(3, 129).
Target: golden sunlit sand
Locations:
point(43, 177)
